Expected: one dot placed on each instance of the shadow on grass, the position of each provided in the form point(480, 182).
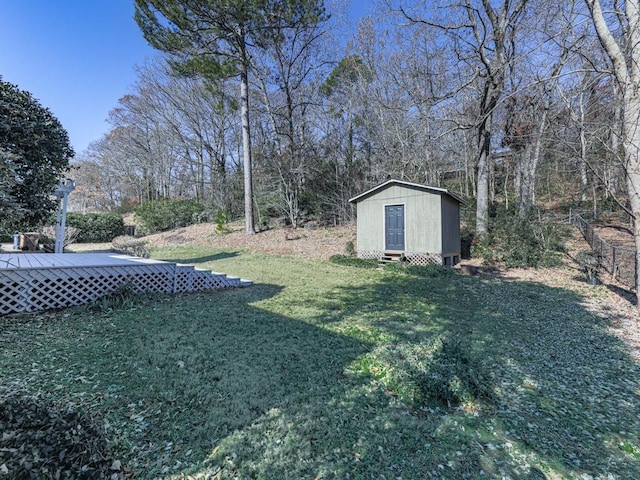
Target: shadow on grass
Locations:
point(541, 384)
point(624, 293)
point(203, 259)
point(201, 379)
point(218, 384)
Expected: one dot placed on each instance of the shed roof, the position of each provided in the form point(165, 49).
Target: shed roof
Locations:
point(414, 186)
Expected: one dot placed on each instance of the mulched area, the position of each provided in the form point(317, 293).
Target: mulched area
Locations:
point(310, 241)
point(618, 235)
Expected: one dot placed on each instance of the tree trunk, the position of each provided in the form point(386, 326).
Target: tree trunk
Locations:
point(246, 152)
point(627, 75)
point(482, 194)
point(614, 168)
point(631, 145)
point(531, 159)
point(484, 157)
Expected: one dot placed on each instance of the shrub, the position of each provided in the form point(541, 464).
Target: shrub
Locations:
point(590, 263)
point(222, 220)
point(122, 297)
point(350, 249)
point(425, 271)
point(96, 227)
point(518, 242)
point(353, 262)
point(128, 245)
point(162, 215)
point(428, 271)
point(48, 237)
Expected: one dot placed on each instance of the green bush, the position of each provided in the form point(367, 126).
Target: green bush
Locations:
point(222, 221)
point(162, 215)
point(353, 262)
point(516, 242)
point(350, 249)
point(96, 227)
point(424, 271)
point(129, 245)
point(428, 271)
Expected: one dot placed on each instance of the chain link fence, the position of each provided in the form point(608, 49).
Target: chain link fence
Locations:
point(620, 262)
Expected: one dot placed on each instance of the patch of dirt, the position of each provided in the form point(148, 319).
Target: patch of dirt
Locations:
point(618, 235)
point(303, 242)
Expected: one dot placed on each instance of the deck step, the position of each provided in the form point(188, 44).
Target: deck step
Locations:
point(190, 278)
point(391, 257)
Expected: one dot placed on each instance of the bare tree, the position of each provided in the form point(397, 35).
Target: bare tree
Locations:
point(288, 76)
point(482, 36)
point(619, 34)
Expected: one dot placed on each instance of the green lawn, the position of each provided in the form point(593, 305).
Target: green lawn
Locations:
point(328, 371)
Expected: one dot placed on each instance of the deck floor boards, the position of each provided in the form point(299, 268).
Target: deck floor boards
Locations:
point(19, 261)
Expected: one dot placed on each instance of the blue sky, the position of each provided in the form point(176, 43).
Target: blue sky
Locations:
point(77, 57)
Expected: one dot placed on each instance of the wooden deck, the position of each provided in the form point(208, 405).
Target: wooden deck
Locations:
point(21, 261)
point(42, 281)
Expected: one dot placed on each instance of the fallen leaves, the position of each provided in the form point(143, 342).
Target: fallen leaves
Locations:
point(41, 440)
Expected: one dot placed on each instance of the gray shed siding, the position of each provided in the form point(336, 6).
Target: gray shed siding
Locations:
point(371, 218)
point(450, 226)
point(423, 231)
point(423, 218)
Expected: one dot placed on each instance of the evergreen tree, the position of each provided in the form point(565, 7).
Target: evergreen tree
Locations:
point(214, 39)
point(34, 155)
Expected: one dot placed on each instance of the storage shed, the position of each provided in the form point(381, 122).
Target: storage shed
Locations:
point(406, 221)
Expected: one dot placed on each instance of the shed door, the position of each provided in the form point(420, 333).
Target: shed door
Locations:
point(394, 227)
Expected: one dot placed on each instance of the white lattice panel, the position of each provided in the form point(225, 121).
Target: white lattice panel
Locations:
point(13, 297)
point(413, 258)
point(423, 259)
point(368, 255)
point(183, 281)
point(32, 289)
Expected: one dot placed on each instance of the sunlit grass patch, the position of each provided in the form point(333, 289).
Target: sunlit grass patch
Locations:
point(631, 449)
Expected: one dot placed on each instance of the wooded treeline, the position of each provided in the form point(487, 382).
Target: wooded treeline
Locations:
point(507, 101)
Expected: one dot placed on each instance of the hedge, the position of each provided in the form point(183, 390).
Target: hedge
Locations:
point(161, 215)
point(96, 227)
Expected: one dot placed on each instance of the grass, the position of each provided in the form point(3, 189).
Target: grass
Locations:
point(332, 371)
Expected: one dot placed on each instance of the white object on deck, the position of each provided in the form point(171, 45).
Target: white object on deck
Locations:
point(62, 193)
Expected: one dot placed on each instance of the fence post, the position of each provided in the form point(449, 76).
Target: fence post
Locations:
point(614, 267)
point(597, 245)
